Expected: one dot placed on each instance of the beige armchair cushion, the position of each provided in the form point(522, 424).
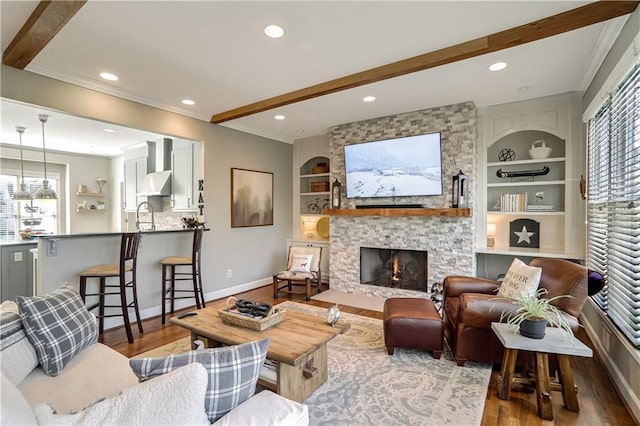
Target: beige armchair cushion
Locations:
point(316, 252)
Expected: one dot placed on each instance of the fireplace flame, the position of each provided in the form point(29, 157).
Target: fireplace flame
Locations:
point(396, 270)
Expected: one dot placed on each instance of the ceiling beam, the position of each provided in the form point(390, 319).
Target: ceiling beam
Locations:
point(47, 19)
point(557, 24)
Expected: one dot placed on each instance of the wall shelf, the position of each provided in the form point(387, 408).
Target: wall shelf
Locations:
point(89, 210)
point(446, 212)
point(91, 194)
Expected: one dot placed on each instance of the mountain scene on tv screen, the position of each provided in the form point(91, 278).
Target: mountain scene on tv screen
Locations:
point(377, 172)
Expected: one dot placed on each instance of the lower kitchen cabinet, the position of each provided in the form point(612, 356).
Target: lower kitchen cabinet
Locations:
point(16, 275)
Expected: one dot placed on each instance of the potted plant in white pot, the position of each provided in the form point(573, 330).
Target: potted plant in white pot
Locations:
point(533, 313)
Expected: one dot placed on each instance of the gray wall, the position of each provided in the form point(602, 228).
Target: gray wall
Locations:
point(253, 253)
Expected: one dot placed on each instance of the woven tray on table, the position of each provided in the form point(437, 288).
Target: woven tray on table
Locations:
point(230, 316)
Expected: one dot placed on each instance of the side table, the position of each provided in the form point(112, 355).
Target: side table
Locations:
point(554, 342)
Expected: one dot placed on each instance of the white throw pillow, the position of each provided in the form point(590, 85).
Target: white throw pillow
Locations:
point(521, 280)
point(173, 398)
point(301, 263)
point(15, 410)
point(267, 408)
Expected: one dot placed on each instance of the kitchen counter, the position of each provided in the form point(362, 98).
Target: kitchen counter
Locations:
point(18, 243)
point(62, 257)
point(110, 234)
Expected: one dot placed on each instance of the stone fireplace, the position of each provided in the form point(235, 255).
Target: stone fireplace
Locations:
point(449, 241)
point(395, 268)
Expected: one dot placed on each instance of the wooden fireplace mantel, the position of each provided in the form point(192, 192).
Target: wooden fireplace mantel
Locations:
point(448, 212)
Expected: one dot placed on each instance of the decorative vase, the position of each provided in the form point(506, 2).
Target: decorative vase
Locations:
point(332, 316)
point(533, 328)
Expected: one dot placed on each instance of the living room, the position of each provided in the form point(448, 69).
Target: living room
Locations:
point(226, 148)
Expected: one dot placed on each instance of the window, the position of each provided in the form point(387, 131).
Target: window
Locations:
point(613, 204)
point(40, 217)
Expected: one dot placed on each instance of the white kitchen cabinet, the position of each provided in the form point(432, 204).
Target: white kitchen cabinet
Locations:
point(324, 262)
point(139, 159)
point(185, 168)
point(135, 171)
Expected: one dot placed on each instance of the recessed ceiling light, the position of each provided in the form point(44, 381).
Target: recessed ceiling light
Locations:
point(109, 76)
point(188, 102)
point(498, 66)
point(369, 99)
point(109, 130)
point(274, 31)
point(300, 130)
point(279, 117)
point(524, 88)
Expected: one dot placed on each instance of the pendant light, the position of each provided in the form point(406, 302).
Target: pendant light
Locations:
point(22, 194)
point(45, 192)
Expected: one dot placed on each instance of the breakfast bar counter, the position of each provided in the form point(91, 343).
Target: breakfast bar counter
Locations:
point(62, 257)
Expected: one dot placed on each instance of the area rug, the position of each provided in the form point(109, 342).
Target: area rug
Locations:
point(362, 301)
point(368, 387)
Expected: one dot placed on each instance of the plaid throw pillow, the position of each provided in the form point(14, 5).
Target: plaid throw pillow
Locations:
point(232, 370)
point(58, 325)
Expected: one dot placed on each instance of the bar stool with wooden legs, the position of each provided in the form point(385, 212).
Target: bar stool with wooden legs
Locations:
point(170, 276)
point(127, 265)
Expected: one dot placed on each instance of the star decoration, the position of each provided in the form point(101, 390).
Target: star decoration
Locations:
point(524, 235)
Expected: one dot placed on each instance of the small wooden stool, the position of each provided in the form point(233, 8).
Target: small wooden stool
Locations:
point(412, 323)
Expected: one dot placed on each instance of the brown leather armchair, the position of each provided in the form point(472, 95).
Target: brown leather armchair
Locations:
point(470, 306)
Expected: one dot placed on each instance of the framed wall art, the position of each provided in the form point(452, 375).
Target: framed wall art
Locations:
point(251, 198)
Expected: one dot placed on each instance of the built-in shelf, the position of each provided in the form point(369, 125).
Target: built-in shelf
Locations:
point(447, 212)
point(316, 193)
point(520, 162)
point(531, 252)
point(528, 213)
point(315, 175)
point(526, 183)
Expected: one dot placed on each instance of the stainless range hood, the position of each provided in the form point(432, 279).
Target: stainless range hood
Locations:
point(158, 183)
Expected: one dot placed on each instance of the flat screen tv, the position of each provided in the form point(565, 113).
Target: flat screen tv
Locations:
point(400, 167)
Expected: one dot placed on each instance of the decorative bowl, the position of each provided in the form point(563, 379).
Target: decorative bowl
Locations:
point(539, 150)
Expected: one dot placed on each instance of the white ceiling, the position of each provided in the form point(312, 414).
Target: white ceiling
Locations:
point(217, 54)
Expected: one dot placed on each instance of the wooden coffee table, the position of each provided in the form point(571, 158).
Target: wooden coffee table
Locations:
point(298, 347)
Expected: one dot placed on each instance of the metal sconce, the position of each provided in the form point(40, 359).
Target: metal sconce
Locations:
point(45, 192)
point(336, 194)
point(22, 194)
point(459, 191)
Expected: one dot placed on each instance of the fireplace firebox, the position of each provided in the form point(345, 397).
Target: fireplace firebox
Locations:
point(396, 268)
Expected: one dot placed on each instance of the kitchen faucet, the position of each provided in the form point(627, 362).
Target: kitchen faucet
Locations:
point(150, 208)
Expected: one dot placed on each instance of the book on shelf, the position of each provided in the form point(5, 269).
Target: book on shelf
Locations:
point(540, 208)
point(513, 202)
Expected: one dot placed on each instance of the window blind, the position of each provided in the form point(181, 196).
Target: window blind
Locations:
point(613, 204)
point(8, 219)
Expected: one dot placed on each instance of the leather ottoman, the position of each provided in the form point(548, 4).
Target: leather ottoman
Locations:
point(412, 323)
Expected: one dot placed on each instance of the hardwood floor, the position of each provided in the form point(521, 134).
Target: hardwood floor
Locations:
point(600, 403)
